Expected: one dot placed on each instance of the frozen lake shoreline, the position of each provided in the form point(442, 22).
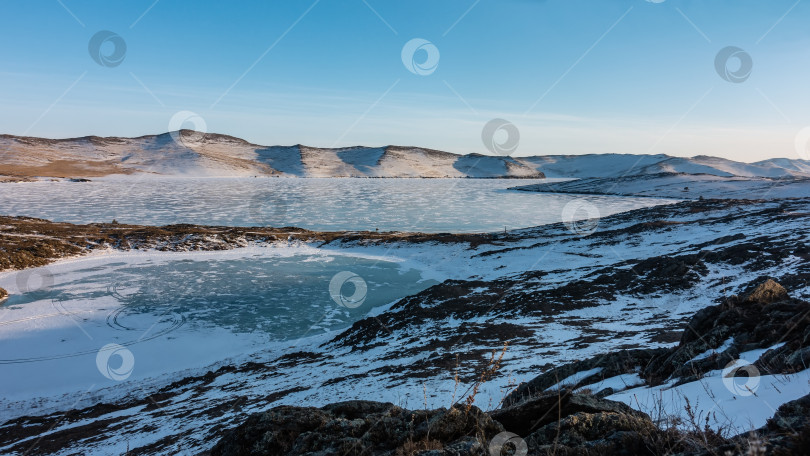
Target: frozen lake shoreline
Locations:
point(178, 311)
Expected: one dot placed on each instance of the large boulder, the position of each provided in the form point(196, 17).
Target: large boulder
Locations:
point(788, 431)
point(565, 423)
point(767, 292)
point(594, 433)
point(790, 417)
point(537, 411)
point(3, 294)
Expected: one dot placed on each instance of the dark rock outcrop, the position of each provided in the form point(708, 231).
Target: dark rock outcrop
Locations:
point(564, 423)
point(536, 412)
point(359, 428)
point(788, 431)
point(790, 418)
point(610, 365)
point(594, 433)
point(763, 318)
point(3, 294)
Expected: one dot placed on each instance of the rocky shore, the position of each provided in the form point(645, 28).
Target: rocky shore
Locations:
point(571, 420)
point(30, 242)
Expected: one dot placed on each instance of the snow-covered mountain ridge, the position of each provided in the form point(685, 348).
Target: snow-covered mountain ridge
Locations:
point(188, 153)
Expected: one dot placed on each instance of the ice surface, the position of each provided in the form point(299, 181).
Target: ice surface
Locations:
point(177, 311)
point(426, 205)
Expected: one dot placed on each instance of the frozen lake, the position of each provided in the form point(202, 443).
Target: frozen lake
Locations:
point(176, 311)
point(426, 205)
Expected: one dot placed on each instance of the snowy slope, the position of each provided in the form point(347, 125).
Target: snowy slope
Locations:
point(189, 153)
point(622, 165)
point(681, 186)
point(591, 165)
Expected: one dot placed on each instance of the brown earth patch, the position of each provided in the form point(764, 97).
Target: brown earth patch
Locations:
point(66, 168)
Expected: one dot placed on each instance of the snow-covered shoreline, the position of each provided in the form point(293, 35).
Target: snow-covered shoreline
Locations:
point(75, 270)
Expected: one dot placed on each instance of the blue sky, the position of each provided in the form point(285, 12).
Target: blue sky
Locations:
point(575, 76)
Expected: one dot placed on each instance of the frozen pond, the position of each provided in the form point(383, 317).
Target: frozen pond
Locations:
point(180, 311)
point(426, 205)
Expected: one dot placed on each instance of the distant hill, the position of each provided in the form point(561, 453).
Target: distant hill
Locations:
point(187, 153)
point(622, 165)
